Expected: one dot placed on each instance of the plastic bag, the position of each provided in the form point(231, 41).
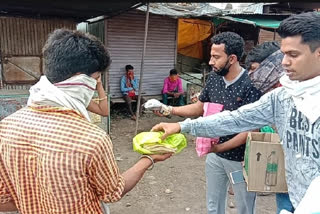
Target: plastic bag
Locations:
point(267, 129)
point(151, 143)
point(153, 104)
point(204, 144)
point(156, 105)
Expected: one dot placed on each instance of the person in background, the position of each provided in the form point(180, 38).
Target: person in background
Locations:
point(292, 108)
point(129, 86)
point(52, 158)
point(259, 53)
point(229, 85)
point(172, 87)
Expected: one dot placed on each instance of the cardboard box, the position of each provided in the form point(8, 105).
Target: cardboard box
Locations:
point(264, 163)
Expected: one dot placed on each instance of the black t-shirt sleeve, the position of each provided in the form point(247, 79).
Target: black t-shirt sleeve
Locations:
point(252, 95)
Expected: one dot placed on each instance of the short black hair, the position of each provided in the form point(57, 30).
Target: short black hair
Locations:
point(261, 52)
point(234, 43)
point(129, 67)
point(173, 72)
point(68, 52)
point(306, 25)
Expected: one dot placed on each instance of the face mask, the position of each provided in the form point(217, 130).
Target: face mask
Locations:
point(173, 78)
point(225, 70)
point(130, 74)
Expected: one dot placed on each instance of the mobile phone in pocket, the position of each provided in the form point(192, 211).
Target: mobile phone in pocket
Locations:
point(237, 177)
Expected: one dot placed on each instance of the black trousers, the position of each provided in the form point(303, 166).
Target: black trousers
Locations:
point(128, 101)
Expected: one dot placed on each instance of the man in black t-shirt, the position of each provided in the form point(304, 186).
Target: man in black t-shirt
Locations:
point(230, 86)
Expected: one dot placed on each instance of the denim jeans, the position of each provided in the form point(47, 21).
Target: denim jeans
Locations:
point(283, 202)
point(218, 179)
point(165, 99)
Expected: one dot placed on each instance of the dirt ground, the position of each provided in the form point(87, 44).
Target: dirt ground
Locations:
point(176, 186)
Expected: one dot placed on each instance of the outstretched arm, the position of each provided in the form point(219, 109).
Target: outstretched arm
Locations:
point(246, 118)
point(133, 175)
point(104, 175)
point(191, 110)
point(8, 207)
point(6, 202)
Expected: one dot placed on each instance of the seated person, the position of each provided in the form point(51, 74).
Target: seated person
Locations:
point(129, 89)
point(172, 86)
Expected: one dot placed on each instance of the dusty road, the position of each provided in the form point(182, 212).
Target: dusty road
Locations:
point(176, 186)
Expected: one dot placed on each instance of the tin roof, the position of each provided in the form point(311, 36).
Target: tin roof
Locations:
point(179, 10)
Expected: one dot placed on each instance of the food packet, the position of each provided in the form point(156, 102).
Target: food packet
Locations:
point(153, 105)
point(151, 143)
point(156, 105)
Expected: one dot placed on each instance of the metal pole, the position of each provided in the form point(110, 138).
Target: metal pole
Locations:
point(1, 68)
point(142, 65)
point(203, 76)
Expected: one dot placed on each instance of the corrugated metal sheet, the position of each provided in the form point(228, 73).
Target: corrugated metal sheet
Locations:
point(125, 35)
point(178, 10)
point(26, 37)
point(265, 35)
point(97, 29)
point(254, 8)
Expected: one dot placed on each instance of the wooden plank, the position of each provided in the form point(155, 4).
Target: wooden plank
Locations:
point(121, 100)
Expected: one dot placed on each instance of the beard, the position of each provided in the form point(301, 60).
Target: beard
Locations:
point(223, 71)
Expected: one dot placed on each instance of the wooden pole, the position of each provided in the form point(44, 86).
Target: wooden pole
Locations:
point(142, 67)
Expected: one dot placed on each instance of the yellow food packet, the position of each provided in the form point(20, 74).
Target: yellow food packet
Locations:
point(151, 143)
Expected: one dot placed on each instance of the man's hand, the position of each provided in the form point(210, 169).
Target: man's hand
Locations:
point(164, 111)
point(99, 79)
point(8, 207)
point(161, 157)
point(157, 112)
point(131, 76)
point(216, 148)
point(99, 82)
point(176, 95)
point(168, 128)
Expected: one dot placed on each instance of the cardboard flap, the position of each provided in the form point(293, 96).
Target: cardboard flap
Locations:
point(264, 137)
